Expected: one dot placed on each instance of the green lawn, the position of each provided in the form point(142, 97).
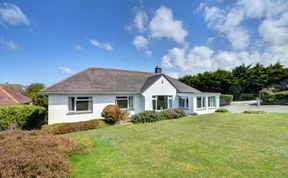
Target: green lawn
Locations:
point(215, 145)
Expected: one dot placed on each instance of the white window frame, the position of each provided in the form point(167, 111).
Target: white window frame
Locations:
point(130, 105)
point(169, 102)
point(78, 98)
point(184, 99)
point(210, 102)
point(203, 102)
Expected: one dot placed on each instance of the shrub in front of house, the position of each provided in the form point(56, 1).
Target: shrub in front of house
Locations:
point(225, 99)
point(222, 110)
point(147, 116)
point(174, 113)
point(34, 154)
point(64, 128)
point(254, 112)
point(22, 116)
point(113, 114)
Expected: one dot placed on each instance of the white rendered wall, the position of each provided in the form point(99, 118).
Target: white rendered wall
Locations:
point(58, 108)
point(206, 110)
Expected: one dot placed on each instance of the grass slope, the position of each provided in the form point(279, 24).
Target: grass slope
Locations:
point(215, 145)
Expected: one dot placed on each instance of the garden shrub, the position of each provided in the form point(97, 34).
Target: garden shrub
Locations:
point(22, 116)
point(194, 114)
point(113, 114)
point(269, 97)
point(254, 112)
point(174, 113)
point(221, 110)
point(34, 154)
point(247, 96)
point(225, 99)
point(64, 128)
point(147, 116)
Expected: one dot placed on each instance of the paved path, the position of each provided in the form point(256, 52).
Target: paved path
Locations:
point(241, 106)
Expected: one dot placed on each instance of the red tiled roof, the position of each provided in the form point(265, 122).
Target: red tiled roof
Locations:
point(9, 97)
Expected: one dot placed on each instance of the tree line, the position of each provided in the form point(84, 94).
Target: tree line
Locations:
point(246, 79)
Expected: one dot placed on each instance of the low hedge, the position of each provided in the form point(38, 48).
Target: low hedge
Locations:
point(174, 113)
point(22, 116)
point(64, 128)
point(147, 116)
point(247, 96)
point(222, 110)
point(225, 99)
point(35, 154)
point(270, 97)
point(254, 112)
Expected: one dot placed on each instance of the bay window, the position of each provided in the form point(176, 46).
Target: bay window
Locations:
point(161, 102)
point(183, 102)
point(125, 102)
point(80, 104)
point(211, 102)
point(201, 102)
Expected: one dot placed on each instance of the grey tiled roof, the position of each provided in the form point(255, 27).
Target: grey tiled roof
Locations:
point(101, 80)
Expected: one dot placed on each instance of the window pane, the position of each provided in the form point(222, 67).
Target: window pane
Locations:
point(161, 102)
point(82, 105)
point(131, 104)
point(170, 103)
point(199, 102)
point(71, 103)
point(123, 104)
point(187, 102)
point(154, 104)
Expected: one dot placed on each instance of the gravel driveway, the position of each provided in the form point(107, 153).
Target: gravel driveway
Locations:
point(240, 106)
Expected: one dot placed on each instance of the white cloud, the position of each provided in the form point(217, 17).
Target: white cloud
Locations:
point(140, 42)
point(9, 44)
point(98, 44)
point(140, 21)
point(173, 75)
point(12, 15)
point(228, 24)
point(66, 70)
point(148, 53)
point(163, 25)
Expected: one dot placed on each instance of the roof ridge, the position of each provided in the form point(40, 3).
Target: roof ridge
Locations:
point(8, 94)
point(120, 70)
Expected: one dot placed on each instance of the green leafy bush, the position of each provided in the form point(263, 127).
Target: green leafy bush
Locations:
point(113, 114)
point(194, 114)
point(269, 97)
point(34, 154)
point(225, 99)
point(174, 113)
point(247, 96)
point(64, 128)
point(221, 110)
point(22, 116)
point(147, 116)
point(254, 112)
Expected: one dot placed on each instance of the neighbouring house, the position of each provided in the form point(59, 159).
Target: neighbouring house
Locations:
point(10, 97)
point(84, 95)
point(19, 88)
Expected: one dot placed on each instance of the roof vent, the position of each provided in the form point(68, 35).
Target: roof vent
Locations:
point(158, 70)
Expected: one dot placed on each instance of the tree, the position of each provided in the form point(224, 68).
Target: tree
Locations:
point(33, 92)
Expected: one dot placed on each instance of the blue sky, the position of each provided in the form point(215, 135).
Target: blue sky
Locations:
point(46, 41)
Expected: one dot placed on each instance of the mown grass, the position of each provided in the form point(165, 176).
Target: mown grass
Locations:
point(214, 145)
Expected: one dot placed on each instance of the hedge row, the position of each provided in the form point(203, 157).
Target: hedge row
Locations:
point(153, 116)
point(22, 116)
point(269, 97)
point(225, 99)
point(64, 128)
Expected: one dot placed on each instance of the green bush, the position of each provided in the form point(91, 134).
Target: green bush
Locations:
point(221, 110)
point(254, 112)
point(269, 97)
point(225, 99)
point(194, 114)
point(147, 116)
point(22, 116)
point(174, 113)
point(247, 96)
point(64, 128)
